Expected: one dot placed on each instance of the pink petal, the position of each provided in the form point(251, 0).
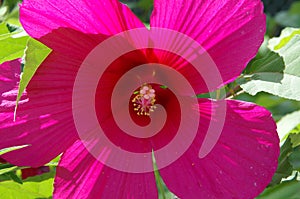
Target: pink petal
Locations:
point(72, 43)
point(106, 16)
point(44, 117)
point(240, 165)
point(10, 74)
point(80, 175)
point(180, 64)
point(230, 30)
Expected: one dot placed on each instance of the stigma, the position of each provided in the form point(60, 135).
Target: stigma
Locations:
point(144, 100)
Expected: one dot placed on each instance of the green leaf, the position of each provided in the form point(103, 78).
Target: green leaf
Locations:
point(205, 95)
point(4, 177)
point(263, 50)
point(3, 29)
point(270, 62)
point(284, 168)
point(28, 190)
point(284, 84)
point(6, 150)
point(11, 3)
point(294, 159)
point(35, 54)
point(295, 139)
point(13, 44)
point(7, 170)
point(14, 28)
point(163, 191)
point(54, 162)
point(145, 4)
point(289, 48)
point(295, 8)
point(15, 178)
point(288, 190)
point(13, 17)
point(287, 124)
point(163, 87)
point(287, 19)
point(290, 18)
point(5, 165)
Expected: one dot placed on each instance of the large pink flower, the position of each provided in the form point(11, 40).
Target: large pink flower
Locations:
point(241, 162)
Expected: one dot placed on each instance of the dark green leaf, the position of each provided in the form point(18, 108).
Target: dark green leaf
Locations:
point(271, 62)
point(6, 165)
point(294, 158)
point(15, 178)
point(290, 18)
point(145, 4)
point(284, 168)
point(285, 18)
point(295, 139)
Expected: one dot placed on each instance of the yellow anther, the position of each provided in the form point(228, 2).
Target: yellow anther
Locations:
point(144, 101)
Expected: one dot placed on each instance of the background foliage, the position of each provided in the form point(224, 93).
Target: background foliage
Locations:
point(271, 80)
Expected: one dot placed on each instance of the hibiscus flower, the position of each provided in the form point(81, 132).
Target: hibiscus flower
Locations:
point(238, 164)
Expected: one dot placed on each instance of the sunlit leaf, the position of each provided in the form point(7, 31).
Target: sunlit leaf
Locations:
point(7, 170)
point(6, 150)
point(12, 45)
point(289, 48)
point(28, 190)
point(3, 29)
point(54, 162)
point(287, 124)
point(35, 54)
point(284, 84)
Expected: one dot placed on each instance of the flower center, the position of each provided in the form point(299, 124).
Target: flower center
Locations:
point(144, 100)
